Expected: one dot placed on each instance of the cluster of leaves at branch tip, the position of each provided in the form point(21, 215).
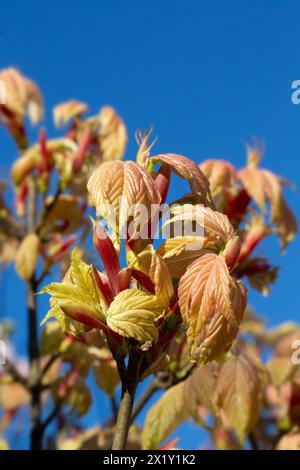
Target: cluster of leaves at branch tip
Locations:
point(181, 303)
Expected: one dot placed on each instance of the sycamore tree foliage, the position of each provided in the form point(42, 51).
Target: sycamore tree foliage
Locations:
point(173, 309)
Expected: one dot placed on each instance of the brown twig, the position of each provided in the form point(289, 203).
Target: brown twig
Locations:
point(16, 375)
point(129, 385)
point(54, 413)
point(48, 365)
point(48, 208)
point(149, 392)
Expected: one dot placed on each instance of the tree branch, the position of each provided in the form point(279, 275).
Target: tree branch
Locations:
point(149, 392)
point(129, 385)
point(33, 342)
point(54, 413)
point(16, 375)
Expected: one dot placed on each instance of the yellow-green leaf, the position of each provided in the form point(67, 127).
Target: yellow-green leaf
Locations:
point(239, 394)
point(164, 417)
point(78, 290)
point(199, 390)
point(133, 313)
point(281, 370)
point(27, 256)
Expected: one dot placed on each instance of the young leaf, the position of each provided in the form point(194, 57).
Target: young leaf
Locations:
point(222, 175)
point(179, 252)
point(164, 417)
point(199, 390)
point(281, 369)
point(67, 111)
point(265, 187)
point(239, 393)
point(133, 313)
point(112, 136)
point(155, 267)
point(79, 290)
point(117, 187)
point(105, 370)
point(27, 256)
point(215, 224)
point(22, 95)
point(212, 304)
point(187, 169)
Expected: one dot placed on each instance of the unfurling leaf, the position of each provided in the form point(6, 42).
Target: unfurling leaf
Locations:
point(164, 417)
point(199, 390)
point(112, 135)
point(133, 313)
point(143, 153)
point(78, 291)
point(79, 397)
point(27, 256)
point(116, 188)
point(179, 252)
point(265, 187)
point(105, 370)
point(22, 95)
point(281, 369)
point(239, 393)
point(212, 304)
point(155, 267)
point(221, 175)
point(51, 339)
point(187, 169)
point(66, 209)
point(214, 224)
point(65, 112)
point(62, 152)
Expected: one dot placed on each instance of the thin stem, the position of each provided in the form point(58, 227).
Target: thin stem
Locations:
point(114, 409)
point(34, 361)
point(129, 385)
point(47, 210)
point(16, 375)
point(48, 365)
point(54, 413)
point(33, 342)
point(149, 392)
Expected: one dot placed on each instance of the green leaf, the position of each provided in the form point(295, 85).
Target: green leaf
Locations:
point(239, 393)
point(133, 313)
point(164, 417)
point(79, 289)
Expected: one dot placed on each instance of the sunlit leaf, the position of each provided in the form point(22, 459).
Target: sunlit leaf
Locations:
point(164, 417)
point(65, 112)
point(119, 190)
point(212, 304)
point(133, 313)
point(27, 256)
point(239, 393)
point(187, 169)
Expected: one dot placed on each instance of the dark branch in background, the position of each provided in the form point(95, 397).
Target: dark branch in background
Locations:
point(54, 413)
point(149, 392)
point(48, 365)
point(16, 375)
point(47, 210)
point(162, 381)
point(33, 342)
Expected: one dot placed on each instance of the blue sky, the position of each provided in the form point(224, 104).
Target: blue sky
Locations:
point(206, 75)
